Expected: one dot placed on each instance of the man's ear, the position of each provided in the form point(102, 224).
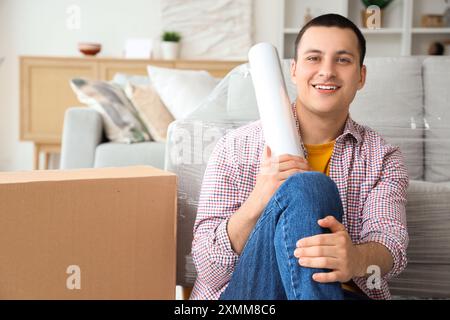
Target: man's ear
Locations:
point(293, 70)
point(362, 79)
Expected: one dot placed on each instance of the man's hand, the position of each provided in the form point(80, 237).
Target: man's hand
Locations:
point(273, 172)
point(333, 251)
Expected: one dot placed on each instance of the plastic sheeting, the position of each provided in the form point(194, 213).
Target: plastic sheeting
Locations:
point(408, 115)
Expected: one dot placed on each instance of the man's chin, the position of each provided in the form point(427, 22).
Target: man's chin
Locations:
point(325, 110)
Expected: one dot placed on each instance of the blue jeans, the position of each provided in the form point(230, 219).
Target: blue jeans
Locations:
point(267, 268)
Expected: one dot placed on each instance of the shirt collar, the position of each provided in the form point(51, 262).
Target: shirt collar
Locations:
point(349, 129)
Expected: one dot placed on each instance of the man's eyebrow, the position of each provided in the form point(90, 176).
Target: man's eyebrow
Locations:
point(345, 52)
point(312, 51)
point(339, 52)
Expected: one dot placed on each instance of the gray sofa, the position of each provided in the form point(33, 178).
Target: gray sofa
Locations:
point(406, 99)
point(84, 144)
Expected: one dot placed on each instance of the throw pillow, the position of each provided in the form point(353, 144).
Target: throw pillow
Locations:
point(151, 110)
point(123, 79)
point(121, 120)
point(181, 91)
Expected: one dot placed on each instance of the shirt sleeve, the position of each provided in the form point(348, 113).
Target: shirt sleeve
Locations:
point(212, 254)
point(384, 212)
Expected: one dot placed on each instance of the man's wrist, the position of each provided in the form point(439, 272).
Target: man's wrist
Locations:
point(360, 269)
point(254, 206)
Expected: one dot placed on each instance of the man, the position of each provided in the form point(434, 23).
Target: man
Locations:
point(324, 227)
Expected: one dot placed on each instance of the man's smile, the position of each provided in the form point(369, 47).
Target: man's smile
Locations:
point(326, 87)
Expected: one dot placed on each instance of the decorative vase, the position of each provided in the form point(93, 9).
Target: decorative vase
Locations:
point(169, 50)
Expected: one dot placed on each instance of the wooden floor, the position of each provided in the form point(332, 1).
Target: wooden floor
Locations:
point(186, 293)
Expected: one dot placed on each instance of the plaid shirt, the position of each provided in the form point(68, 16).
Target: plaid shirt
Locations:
point(372, 182)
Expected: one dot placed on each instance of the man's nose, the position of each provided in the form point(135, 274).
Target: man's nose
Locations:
point(327, 69)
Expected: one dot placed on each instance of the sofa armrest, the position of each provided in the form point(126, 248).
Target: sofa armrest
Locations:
point(82, 133)
point(188, 147)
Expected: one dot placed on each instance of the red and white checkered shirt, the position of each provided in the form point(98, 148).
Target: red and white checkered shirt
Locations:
point(369, 173)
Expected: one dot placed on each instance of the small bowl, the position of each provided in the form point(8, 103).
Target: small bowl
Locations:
point(89, 48)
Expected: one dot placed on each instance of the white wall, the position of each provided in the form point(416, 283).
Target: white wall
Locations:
point(39, 27)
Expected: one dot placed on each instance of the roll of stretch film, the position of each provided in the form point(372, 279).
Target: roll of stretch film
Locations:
point(277, 119)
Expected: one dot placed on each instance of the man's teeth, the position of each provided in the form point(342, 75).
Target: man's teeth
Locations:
point(326, 87)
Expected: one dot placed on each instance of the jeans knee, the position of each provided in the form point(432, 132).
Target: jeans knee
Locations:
point(310, 180)
point(311, 190)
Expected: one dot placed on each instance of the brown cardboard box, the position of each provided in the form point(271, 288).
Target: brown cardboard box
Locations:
point(111, 232)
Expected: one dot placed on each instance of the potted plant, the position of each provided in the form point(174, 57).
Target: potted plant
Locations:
point(366, 14)
point(170, 45)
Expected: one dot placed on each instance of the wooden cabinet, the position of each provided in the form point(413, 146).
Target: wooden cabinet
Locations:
point(45, 93)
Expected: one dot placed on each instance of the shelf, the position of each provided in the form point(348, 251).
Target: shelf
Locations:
point(401, 35)
point(291, 30)
point(363, 30)
point(431, 30)
point(382, 31)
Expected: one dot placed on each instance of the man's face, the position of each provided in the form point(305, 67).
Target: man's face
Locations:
point(327, 72)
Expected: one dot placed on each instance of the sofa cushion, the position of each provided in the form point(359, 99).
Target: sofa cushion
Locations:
point(391, 103)
point(120, 118)
point(123, 79)
point(151, 110)
point(428, 221)
point(436, 71)
point(181, 91)
point(120, 155)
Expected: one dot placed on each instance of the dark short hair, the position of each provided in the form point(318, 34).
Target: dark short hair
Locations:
point(334, 20)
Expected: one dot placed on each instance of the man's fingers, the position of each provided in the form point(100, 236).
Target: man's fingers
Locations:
point(289, 157)
point(326, 277)
point(320, 262)
point(331, 223)
point(293, 164)
point(267, 153)
point(317, 251)
point(286, 174)
point(327, 239)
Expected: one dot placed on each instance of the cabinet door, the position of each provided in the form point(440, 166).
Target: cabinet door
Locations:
point(46, 94)
point(108, 68)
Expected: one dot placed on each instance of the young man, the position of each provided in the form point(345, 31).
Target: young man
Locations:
point(331, 226)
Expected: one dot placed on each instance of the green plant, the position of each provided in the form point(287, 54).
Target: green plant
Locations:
point(380, 3)
point(171, 36)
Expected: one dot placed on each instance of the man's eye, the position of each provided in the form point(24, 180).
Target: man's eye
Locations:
point(343, 60)
point(312, 58)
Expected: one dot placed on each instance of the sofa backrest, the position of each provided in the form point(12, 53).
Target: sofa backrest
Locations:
point(436, 81)
point(391, 103)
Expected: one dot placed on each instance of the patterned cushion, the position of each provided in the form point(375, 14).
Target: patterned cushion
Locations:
point(151, 110)
point(121, 119)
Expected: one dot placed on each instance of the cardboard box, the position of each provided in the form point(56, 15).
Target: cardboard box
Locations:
point(88, 234)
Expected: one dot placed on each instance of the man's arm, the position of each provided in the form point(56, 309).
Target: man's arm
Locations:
point(212, 254)
point(384, 212)
point(372, 254)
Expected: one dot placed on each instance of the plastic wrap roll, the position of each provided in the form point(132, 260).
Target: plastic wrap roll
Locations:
point(277, 119)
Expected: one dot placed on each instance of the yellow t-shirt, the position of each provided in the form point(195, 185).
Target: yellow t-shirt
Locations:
point(319, 156)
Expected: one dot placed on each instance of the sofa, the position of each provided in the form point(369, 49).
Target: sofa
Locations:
point(406, 99)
